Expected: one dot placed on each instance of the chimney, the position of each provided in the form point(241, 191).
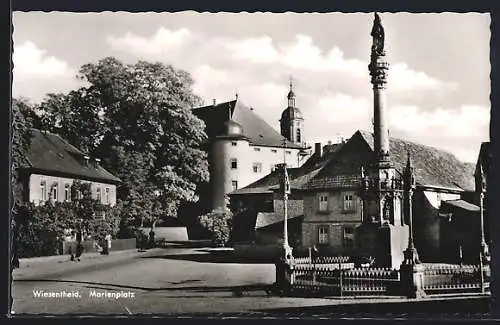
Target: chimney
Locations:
point(317, 149)
point(97, 162)
point(214, 101)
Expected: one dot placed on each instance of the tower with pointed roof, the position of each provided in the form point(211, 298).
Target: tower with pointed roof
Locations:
point(292, 121)
point(226, 152)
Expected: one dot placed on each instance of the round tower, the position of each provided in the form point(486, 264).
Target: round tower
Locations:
point(229, 162)
point(292, 121)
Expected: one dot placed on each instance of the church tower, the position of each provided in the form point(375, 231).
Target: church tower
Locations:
point(292, 122)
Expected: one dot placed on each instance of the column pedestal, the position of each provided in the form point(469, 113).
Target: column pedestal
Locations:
point(284, 271)
point(412, 275)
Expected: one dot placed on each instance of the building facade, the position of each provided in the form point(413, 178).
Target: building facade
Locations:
point(54, 165)
point(242, 148)
point(334, 202)
point(359, 200)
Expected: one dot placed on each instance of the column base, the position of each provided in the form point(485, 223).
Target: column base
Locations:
point(412, 280)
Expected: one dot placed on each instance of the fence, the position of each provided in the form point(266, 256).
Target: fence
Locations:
point(336, 276)
point(342, 279)
point(321, 260)
point(447, 278)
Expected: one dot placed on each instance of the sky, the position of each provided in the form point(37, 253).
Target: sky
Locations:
point(438, 82)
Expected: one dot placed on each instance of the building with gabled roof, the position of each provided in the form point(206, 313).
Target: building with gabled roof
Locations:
point(259, 206)
point(361, 199)
point(53, 166)
point(242, 147)
point(333, 205)
point(326, 194)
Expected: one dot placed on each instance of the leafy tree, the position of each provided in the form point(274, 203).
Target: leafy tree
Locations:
point(219, 224)
point(138, 119)
point(20, 141)
point(73, 116)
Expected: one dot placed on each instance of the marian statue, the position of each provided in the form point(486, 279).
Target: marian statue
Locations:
point(378, 36)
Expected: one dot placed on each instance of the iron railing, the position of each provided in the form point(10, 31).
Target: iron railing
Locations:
point(449, 278)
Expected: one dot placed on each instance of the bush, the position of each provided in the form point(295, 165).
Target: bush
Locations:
point(42, 228)
point(219, 224)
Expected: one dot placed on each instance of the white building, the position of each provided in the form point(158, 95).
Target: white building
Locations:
point(242, 147)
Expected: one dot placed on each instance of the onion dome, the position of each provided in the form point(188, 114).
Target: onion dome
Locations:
point(232, 128)
point(291, 113)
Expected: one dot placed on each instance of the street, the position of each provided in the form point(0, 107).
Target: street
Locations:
point(185, 281)
point(167, 281)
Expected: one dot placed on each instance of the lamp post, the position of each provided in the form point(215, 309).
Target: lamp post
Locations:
point(411, 255)
point(483, 253)
point(286, 191)
point(412, 271)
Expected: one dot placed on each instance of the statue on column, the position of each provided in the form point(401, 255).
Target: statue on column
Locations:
point(378, 36)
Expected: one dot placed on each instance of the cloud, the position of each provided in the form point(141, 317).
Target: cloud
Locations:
point(36, 73)
point(332, 88)
point(163, 42)
point(459, 130)
point(259, 50)
point(402, 78)
point(302, 54)
point(32, 62)
point(465, 121)
point(210, 81)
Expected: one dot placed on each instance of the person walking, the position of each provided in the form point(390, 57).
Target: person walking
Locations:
point(151, 239)
point(79, 246)
point(106, 244)
point(71, 240)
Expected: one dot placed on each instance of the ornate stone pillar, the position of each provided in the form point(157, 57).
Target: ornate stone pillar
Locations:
point(412, 271)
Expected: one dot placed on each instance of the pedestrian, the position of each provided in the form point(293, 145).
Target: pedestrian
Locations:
point(79, 246)
point(141, 240)
point(315, 254)
point(106, 244)
point(151, 239)
point(71, 243)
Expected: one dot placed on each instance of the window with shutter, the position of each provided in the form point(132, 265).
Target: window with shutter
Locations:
point(323, 235)
point(348, 203)
point(323, 202)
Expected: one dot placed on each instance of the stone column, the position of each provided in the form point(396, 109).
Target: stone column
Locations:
point(411, 270)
